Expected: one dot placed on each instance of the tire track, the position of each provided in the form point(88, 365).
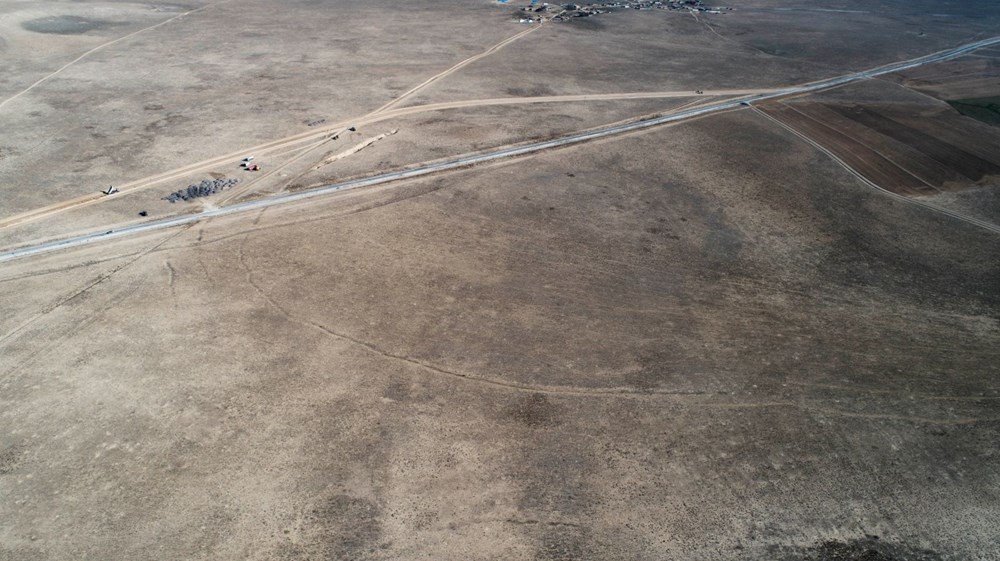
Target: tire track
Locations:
point(868, 183)
point(102, 46)
point(520, 150)
point(324, 135)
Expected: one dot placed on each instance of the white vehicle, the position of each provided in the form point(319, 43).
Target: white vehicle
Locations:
point(111, 190)
point(248, 159)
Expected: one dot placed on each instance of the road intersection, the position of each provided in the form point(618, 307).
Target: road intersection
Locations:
point(745, 98)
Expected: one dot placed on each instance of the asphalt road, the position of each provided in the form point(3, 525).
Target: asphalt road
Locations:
point(461, 162)
point(323, 135)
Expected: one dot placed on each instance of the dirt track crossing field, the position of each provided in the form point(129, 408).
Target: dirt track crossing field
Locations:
point(638, 285)
point(600, 346)
point(317, 136)
point(864, 158)
point(904, 143)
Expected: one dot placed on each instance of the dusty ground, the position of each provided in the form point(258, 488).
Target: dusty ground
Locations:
point(476, 130)
point(233, 75)
point(422, 137)
point(707, 341)
point(650, 359)
point(763, 43)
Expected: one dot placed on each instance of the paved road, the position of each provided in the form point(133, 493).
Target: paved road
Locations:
point(320, 134)
point(491, 156)
point(323, 135)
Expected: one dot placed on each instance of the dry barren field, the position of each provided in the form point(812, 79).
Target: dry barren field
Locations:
point(974, 76)
point(768, 332)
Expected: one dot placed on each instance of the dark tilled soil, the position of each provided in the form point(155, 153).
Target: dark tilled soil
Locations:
point(871, 164)
point(970, 165)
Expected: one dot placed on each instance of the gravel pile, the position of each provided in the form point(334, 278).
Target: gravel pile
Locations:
point(203, 189)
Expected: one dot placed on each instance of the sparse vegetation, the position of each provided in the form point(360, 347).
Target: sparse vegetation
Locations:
point(985, 109)
point(708, 341)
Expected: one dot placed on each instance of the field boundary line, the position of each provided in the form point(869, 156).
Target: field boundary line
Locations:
point(518, 150)
point(952, 214)
point(863, 144)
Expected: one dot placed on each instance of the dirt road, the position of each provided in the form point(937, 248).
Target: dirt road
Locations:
point(384, 113)
point(328, 132)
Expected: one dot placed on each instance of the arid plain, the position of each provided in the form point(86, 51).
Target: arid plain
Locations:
point(767, 332)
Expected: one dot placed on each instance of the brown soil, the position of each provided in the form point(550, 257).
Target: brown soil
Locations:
point(867, 161)
point(969, 165)
point(905, 149)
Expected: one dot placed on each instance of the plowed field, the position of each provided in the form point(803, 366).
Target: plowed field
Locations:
point(909, 155)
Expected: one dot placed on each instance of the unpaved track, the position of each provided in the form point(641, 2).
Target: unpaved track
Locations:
point(256, 181)
point(917, 202)
point(874, 150)
point(102, 46)
point(407, 94)
point(379, 116)
point(427, 169)
point(455, 68)
point(327, 132)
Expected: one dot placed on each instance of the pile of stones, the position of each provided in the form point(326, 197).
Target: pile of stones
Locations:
point(203, 189)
